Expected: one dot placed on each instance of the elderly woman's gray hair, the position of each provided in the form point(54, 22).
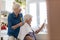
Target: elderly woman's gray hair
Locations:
point(27, 17)
point(15, 5)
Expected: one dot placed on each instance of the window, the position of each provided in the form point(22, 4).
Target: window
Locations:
point(32, 11)
point(42, 11)
point(43, 14)
point(39, 12)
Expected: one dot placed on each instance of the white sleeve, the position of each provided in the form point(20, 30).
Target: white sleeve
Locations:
point(22, 33)
point(24, 30)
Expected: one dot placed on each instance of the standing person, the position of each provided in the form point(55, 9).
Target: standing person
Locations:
point(14, 22)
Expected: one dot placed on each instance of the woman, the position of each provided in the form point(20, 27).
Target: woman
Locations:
point(26, 32)
point(15, 20)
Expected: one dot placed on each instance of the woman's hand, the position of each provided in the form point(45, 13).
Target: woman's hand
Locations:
point(17, 25)
point(21, 23)
point(40, 28)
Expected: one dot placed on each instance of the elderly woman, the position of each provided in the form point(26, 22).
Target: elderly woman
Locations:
point(26, 32)
point(14, 21)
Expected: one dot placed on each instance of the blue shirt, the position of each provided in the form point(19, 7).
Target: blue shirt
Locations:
point(13, 20)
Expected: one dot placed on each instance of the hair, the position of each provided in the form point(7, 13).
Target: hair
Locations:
point(15, 5)
point(27, 17)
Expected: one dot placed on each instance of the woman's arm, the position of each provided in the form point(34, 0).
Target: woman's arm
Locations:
point(37, 31)
point(17, 25)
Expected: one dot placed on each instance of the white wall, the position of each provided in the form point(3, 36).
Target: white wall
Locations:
point(0, 16)
point(0, 4)
point(30, 1)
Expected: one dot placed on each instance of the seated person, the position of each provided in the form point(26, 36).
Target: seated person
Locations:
point(26, 32)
